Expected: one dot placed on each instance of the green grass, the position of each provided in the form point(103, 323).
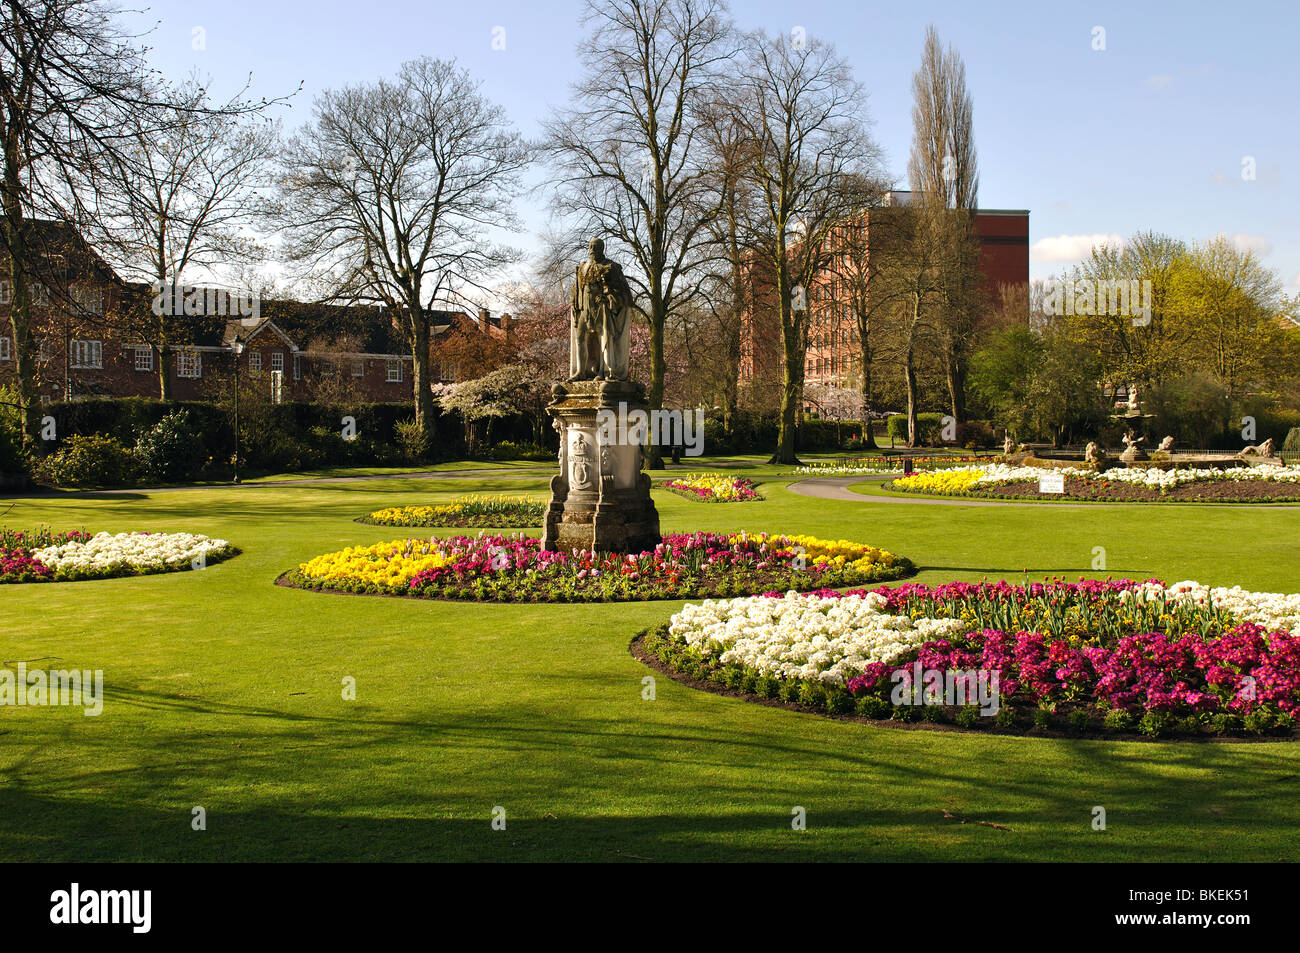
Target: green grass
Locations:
point(223, 691)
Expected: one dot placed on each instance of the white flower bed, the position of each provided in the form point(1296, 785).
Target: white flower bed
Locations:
point(804, 636)
point(108, 553)
point(1000, 473)
point(845, 470)
point(1273, 610)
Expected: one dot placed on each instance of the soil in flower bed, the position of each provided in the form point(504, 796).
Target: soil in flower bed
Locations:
point(657, 651)
point(513, 569)
point(1208, 491)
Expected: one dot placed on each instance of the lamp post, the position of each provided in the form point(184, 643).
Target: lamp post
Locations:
point(238, 347)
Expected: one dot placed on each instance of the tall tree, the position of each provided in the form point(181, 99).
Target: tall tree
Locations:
point(391, 193)
point(625, 149)
point(73, 86)
point(944, 171)
point(804, 114)
point(182, 203)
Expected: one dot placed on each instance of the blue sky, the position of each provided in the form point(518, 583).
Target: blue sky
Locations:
point(1151, 132)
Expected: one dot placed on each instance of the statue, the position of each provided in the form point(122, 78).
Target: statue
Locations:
point(1166, 445)
point(1132, 448)
point(1265, 449)
point(1008, 445)
point(1093, 454)
point(600, 320)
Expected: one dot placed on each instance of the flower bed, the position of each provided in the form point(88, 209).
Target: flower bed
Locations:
point(44, 556)
point(1265, 483)
point(1090, 657)
point(860, 466)
point(713, 488)
point(515, 569)
point(504, 512)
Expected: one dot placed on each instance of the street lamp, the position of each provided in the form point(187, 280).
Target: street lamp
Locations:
point(238, 347)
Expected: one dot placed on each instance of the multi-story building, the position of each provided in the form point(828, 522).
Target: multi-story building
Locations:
point(832, 356)
point(95, 337)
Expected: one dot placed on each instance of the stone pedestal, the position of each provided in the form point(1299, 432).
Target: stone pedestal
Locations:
point(600, 499)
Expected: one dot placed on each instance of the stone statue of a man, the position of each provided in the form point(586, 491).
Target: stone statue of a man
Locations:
point(600, 320)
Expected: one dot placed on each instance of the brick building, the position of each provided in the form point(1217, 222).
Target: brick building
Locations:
point(832, 355)
point(91, 329)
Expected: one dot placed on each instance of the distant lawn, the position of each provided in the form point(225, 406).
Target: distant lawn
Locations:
point(223, 691)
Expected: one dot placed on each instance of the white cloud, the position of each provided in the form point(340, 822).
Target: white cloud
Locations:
point(1256, 243)
point(1070, 247)
point(1159, 81)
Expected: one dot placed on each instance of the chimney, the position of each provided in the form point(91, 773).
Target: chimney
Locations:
point(484, 318)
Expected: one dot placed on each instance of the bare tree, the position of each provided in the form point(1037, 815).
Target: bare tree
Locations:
point(72, 84)
point(626, 150)
point(182, 203)
point(391, 193)
point(804, 114)
point(944, 171)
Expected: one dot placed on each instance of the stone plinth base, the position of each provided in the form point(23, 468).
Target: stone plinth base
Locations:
point(600, 499)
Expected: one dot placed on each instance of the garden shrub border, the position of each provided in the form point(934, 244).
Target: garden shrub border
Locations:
point(656, 651)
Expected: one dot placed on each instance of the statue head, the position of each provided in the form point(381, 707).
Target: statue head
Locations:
point(597, 248)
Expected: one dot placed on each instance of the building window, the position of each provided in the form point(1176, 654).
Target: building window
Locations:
point(87, 354)
point(6, 353)
point(255, 362)
point(277, 361)
point(326, 369)
point(4, 292)
point(189, 364)
point(144, 359)
point(297, 367)
point(44, 351)
point(87, 298)
point(358, 368)
point(394, 371)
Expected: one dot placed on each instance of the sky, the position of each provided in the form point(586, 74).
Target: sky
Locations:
point(1100, 119)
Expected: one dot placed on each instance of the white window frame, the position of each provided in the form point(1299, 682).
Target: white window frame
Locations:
point(6, 352)
point(394, 365)
point(89, 298)
point(297, 367)
point(189, 364)
point(277, 361)
point(255, 362)
point(87, 355)
point(143, 357)
point(359, 368)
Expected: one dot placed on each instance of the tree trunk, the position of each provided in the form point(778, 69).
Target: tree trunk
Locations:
point(418, 330)
point(868, 407)
point(658, 369)
point(20, 313)
point(785, 444)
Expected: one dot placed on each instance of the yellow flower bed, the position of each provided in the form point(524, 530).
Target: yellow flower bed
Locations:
point(842, 553)
point(719, 487)
point(393, 563)
point(940, 481)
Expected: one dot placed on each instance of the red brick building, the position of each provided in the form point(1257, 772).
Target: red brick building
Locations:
point(832, 355)
point(91, 330)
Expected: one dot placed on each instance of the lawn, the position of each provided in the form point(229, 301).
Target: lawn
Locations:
point(224, 692)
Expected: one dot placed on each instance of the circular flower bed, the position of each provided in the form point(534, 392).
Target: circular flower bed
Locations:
point(862, 466)
point(516, 569)
point(1262, 484)
point(45, 556)
point(503, 512)
point(713, 488)
point(1087, 657)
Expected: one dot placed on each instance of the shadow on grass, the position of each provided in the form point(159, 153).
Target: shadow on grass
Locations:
point(278, 784)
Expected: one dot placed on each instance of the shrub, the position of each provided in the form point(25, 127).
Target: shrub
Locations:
point(872, 707)
point(411, 441)
point(172, 450)
point(928, 427)
point(1292, 442)
point(94, 460)
point(1119, 719)
point(968, 716)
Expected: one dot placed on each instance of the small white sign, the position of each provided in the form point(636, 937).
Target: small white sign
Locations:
point(1051, 483)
